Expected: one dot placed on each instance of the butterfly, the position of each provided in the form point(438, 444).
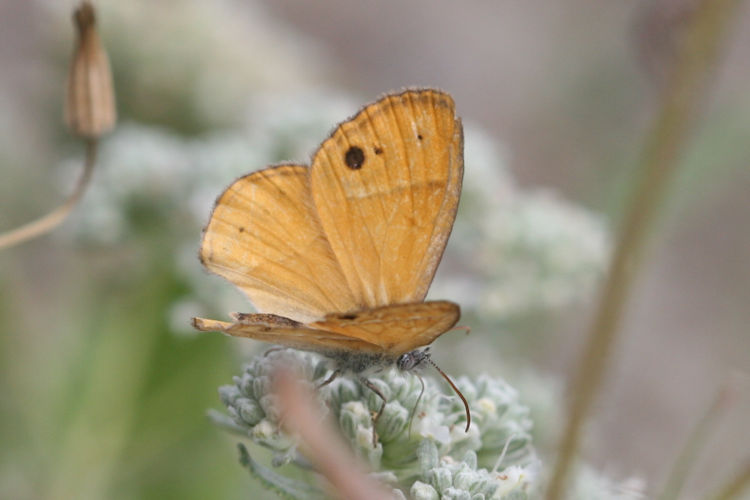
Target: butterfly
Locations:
point(338, 256)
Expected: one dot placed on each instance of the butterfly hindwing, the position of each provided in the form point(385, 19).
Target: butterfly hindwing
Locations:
point(389, 330)
point(398, 328)
point(283, 331)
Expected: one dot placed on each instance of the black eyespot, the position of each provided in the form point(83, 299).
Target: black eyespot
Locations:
point(348, 316)
point(378, 151)
point(419, 136)
point(241, 229)
point(354, 158)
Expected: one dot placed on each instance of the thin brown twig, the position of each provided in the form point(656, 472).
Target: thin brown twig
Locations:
point(656, 167)
point(54, 218)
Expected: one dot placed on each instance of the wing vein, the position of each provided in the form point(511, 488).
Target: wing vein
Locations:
point(428, 254)
point(297, 254)
point(363, 286)
point(381, 284)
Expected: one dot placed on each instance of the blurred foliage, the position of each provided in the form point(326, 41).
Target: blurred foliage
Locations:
point(106, 392)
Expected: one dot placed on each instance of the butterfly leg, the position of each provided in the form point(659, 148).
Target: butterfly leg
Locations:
point(330, 379)
point(416, 405)
point(273, 349)
point(375, 418)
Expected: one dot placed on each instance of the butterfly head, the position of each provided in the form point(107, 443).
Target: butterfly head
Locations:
point(413, 359)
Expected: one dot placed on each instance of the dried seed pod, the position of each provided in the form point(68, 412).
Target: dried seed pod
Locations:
point(90, 102)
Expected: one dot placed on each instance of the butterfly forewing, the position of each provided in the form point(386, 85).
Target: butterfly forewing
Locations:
point(386, 186)
point(264, 237)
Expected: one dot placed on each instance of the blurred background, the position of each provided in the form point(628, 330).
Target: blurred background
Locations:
point(104, 388)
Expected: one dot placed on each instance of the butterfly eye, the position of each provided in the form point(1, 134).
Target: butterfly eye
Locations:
point(405, 362)
point(410, 360)
point(354, 158)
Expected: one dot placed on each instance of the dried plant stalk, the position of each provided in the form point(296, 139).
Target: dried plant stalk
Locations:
point(89, 113)
point(90, 101)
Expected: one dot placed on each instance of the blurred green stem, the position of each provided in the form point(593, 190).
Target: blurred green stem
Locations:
point(695, 443)
point(658, 162)
point(94, 439)
point(736, 485)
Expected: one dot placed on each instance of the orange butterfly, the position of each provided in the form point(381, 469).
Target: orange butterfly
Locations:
point(339, 255)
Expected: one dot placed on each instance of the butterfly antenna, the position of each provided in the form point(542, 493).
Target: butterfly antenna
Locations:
point(416, 405)
point(502, 455)
point(455, 389)
point(465, 328)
